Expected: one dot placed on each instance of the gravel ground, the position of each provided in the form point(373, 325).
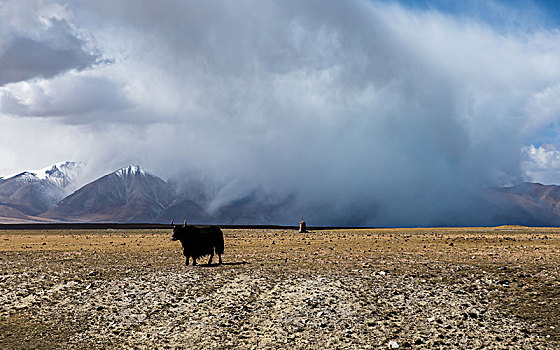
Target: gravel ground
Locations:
point(360, 289)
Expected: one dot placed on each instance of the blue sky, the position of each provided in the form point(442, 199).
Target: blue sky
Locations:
point(500, 14)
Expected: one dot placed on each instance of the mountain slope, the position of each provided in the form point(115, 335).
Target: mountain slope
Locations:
point(129, 194)
point(33, 192)
point(530, 204)
point(182, 208)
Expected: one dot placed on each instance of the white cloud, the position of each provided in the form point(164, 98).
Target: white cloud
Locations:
point(542, 163)
point(74, 97)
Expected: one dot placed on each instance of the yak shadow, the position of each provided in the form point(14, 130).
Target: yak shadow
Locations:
point(225, 264)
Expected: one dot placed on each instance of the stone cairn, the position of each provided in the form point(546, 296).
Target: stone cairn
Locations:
point(302, 226)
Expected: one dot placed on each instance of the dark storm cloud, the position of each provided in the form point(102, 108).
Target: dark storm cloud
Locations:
point(55, 51)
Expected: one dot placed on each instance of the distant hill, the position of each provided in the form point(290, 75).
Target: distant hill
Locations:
point(530, 204)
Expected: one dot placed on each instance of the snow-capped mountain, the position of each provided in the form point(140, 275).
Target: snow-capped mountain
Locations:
point(61, 174)
point(35, 191)
point(130, 194)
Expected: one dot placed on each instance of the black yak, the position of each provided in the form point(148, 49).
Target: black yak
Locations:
point(199, 241)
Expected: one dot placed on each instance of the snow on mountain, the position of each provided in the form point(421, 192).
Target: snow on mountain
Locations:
point(63, 174)
point(34, 191)
point(60, 174)
point(131, 170)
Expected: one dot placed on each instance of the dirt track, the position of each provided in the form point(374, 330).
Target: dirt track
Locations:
point(418, 288)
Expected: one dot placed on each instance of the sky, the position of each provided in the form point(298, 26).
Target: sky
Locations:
point(380, 112)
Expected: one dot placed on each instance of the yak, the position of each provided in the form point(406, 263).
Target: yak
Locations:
point(198, 241)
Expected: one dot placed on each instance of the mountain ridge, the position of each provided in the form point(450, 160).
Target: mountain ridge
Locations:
point(133, 194)
point(30, 193)
point(127, 194)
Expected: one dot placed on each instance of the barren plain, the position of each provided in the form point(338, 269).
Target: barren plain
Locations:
point(460, 288)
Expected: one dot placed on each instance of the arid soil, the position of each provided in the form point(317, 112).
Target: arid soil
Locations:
point(468, 288)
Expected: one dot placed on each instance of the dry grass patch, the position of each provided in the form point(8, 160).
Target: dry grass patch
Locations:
point(423, 288)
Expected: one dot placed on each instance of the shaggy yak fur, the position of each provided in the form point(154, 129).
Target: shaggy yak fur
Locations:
point(199, 241)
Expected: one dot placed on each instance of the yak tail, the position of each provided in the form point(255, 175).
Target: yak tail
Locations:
point(219, 242)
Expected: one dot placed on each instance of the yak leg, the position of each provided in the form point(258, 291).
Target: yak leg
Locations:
point(211, 256)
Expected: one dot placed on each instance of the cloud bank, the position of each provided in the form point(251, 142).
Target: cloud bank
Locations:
point(365, 113)
point(38, 42)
